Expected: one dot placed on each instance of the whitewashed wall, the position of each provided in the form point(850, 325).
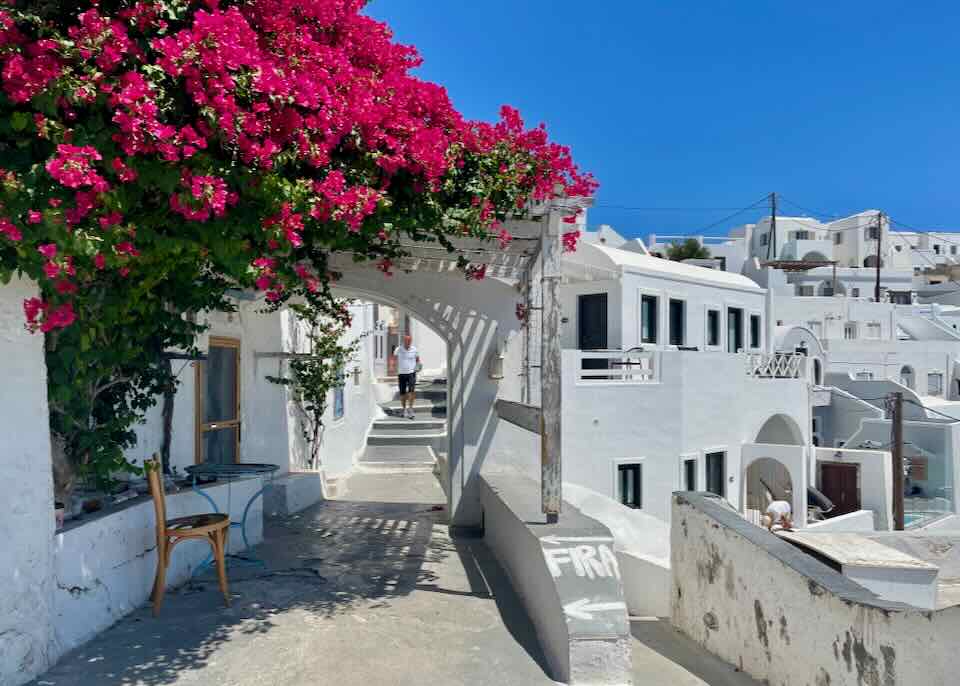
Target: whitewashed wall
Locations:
point(704, 402)
point(26, 519)
point(104, 565)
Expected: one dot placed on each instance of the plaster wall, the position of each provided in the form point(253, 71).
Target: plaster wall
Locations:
point(703, 402)
point(104, 566)
point(780, 615)
point(861, 520)
point(569, 298)
point(26, 520)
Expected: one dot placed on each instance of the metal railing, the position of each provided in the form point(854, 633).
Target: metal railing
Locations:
point(776, 365)
point(615, 367)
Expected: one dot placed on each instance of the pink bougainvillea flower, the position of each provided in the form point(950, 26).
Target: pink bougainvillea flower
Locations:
point(73, 167)
point(570, 240)
point(48, 250)
point(99, 261)
point(8, 229)
point(34, 217)
point(476, 272)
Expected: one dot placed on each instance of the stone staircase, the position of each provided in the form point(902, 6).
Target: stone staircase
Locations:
point(396, 443)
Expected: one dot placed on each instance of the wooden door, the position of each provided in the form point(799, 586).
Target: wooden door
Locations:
point(218, 403)
point(592, 327)
point(841, 483)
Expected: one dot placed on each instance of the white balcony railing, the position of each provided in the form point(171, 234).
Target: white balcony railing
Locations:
point(776, 365)
point(618, 367)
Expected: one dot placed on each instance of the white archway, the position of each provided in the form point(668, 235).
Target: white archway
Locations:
point(780, 429)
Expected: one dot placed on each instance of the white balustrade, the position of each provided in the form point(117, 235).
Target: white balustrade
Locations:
point(618, 367)
point(776, 365)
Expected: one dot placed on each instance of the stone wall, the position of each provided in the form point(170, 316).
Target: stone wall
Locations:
point(780, 615)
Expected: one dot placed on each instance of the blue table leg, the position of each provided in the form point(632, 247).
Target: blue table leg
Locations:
point(209, 559)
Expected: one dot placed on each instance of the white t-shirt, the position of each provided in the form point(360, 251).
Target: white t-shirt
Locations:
point(406, 359)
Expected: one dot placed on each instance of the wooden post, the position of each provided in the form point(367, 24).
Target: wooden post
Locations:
point(876, 290)
point(550, 361)
point(896, 419)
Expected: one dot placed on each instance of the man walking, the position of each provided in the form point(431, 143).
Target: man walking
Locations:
point(408, 364)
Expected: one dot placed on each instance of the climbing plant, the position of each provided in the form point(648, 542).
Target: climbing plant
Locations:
point(157, 153)
point(312, 378)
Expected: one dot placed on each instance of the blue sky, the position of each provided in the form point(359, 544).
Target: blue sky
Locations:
point(838, 106)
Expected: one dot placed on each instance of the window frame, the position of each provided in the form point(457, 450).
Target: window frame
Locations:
point(627, 463)
point(684, 459)
point(707, 452)
point(740, 308)
point(657, 297)
point(716, 308)
point(341, 390)
point(758, 318)
point(683, 321)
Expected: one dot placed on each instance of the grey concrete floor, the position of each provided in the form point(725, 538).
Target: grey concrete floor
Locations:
point(365, 590)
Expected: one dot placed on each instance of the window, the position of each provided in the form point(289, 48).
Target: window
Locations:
point(713, 328)
point(764, 239)
point(802, 235)
point(717, 473)
point(871, 233)
point(827, 289)
point(338, 404)
point(690, 474)
point(630, 484)
point(953, 250)
point(838, 238)
point(850, 331)
point(901, 297)
point(805, 291)
point(734, 329)
point(873, 329)
point(898, 248)
point(855, 292)
point(936, 249)
point(934, 383)
point(864, 376)
point(754, 330)
point(678, 309)
point(648, 318)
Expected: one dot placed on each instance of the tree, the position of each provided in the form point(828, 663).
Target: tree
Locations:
point(157, 153)
point(689, 249)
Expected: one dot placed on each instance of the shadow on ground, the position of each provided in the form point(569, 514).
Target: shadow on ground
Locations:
point(341, 581)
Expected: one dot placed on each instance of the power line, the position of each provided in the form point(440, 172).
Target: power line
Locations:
point(667, 209)
point(738, 212)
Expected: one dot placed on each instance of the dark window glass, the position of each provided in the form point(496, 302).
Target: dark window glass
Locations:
point(713, 327)
point(717, 473)
point(690, 475)
point(648, 318)
point(734, 329)
point(677, 322)
point(220, 391)
point(754, 331)
point(220, 445)
point(630, 484)
point(338, 404)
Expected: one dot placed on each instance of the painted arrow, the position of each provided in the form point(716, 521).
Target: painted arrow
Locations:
point(581, 609)
point(576, 539)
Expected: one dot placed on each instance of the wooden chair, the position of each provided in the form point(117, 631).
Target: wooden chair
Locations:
point(213, 527)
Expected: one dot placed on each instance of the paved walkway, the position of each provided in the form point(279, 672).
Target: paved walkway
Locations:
point(367, 590)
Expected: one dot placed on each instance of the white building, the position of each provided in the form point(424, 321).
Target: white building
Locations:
point(670, 383)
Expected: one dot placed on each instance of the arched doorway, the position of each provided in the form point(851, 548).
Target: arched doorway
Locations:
point(907, 377)
point(871, 261)
point(767, 480)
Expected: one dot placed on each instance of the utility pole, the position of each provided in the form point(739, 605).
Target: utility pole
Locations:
point(773, 225)
point(896, 420)
point(876, 290)
point(551, 496)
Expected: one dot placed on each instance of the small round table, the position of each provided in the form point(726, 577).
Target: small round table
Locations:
point(232, 471)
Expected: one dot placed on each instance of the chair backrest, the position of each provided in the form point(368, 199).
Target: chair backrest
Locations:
point(155, 479)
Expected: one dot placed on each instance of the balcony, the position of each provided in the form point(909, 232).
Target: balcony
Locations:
point(776, 365)
point(615, 367)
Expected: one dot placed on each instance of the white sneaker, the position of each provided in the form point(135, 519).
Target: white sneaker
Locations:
point(411, 414)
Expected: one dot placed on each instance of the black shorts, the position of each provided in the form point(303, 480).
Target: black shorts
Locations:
point(408, 383)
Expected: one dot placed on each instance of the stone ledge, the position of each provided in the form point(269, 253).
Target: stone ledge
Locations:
point(567, 576)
